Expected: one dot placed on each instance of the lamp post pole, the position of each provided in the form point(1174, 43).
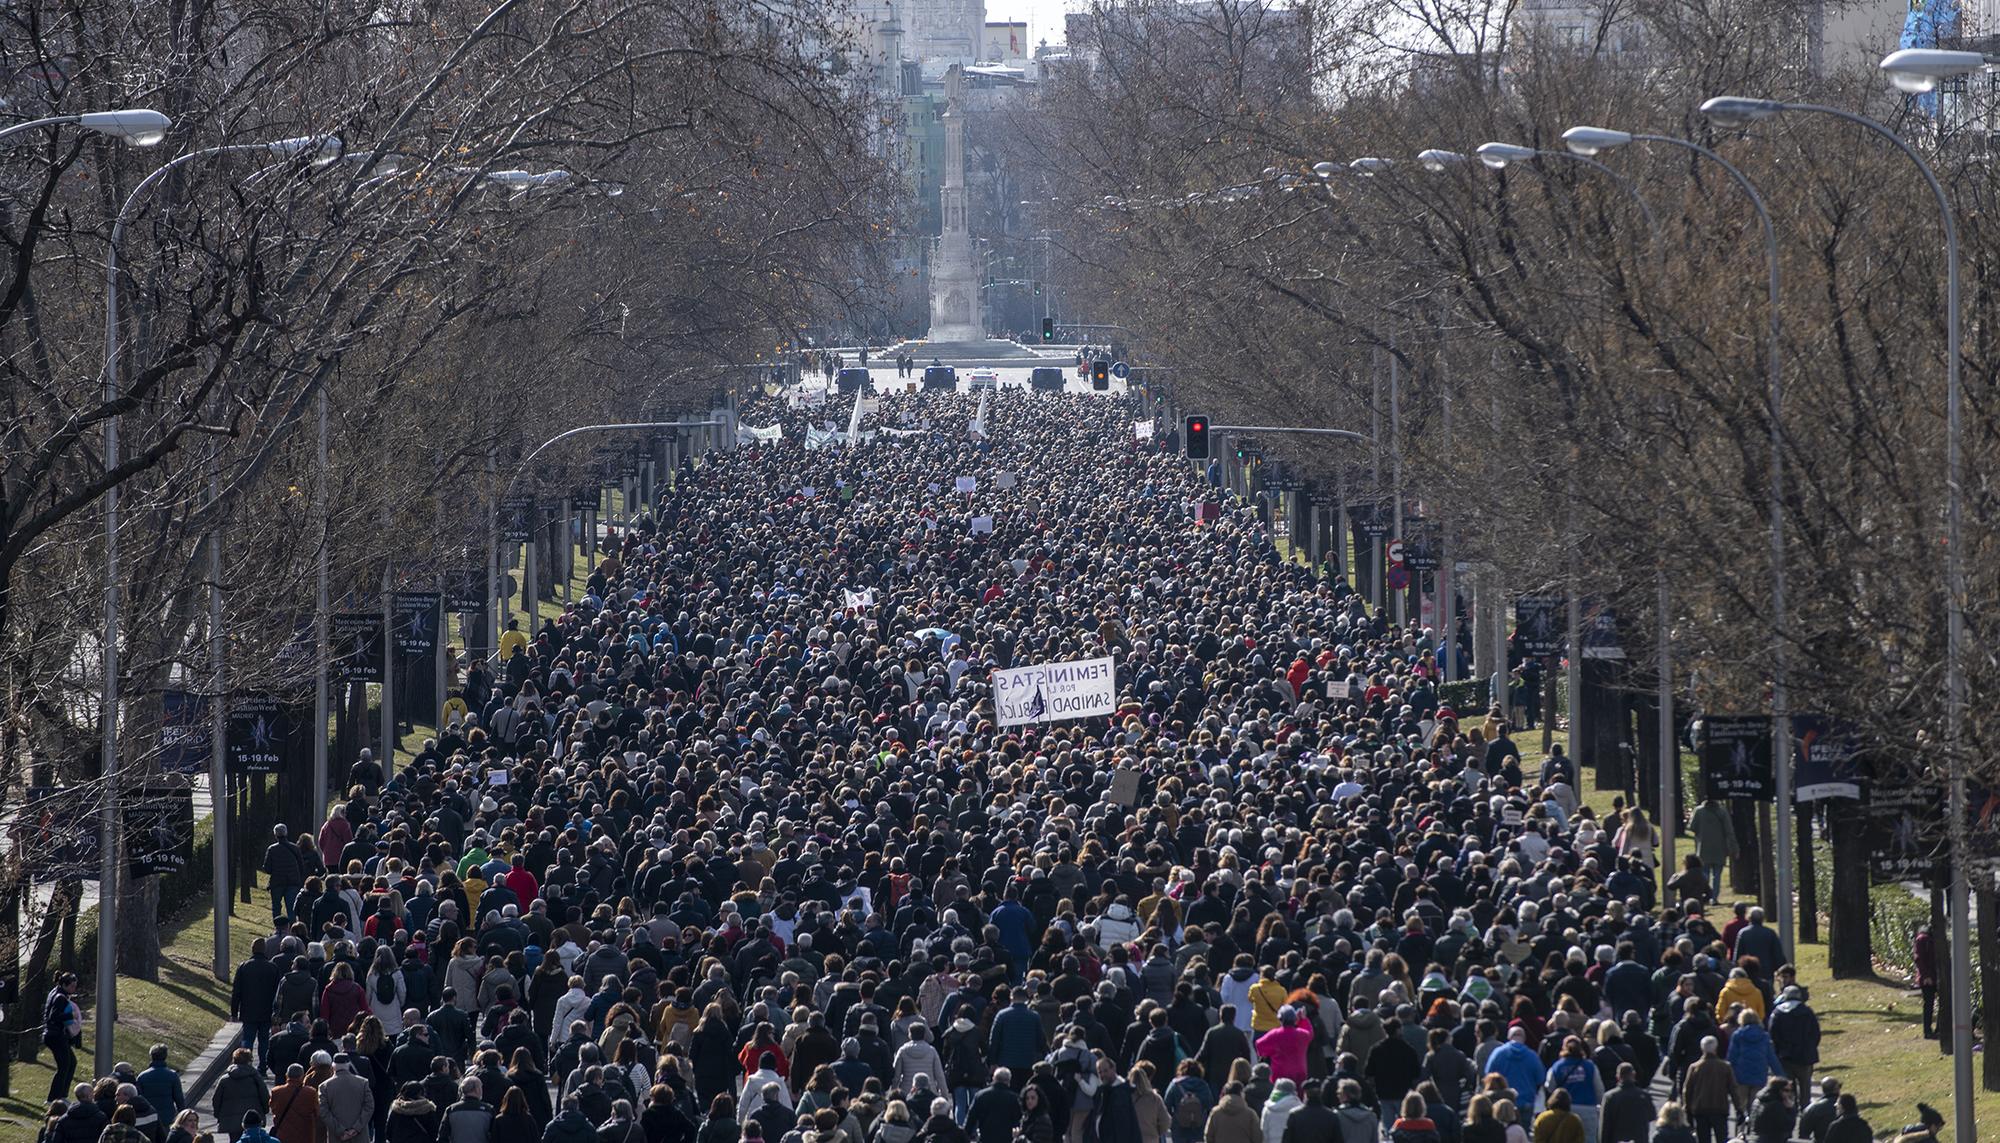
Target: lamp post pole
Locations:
point(1909, 70)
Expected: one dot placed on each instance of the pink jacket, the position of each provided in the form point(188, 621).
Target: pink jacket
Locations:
point(1285, 1049)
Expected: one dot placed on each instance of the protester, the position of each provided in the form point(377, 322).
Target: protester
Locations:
point(742, 842)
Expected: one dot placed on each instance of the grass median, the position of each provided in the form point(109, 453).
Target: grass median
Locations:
point(183, 1009)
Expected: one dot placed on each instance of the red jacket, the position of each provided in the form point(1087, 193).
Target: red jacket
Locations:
point(333, 838)
point(341, 1003)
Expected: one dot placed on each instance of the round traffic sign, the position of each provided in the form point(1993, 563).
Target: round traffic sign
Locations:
point(1394, 548)
point(1119, 370)
point(1399, 577)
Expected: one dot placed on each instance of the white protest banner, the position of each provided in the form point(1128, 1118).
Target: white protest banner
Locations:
point(982, 525)
point(1142, 430)
point(860, 599)
point(817, 438)
point(1004, 480)
point(750, 434)
point(808, 492)
point(966, 484)
point(1048, 692)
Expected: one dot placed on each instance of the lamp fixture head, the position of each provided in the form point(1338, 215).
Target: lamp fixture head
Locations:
point(1739, 111)
point(1588, 141)
point(1918, 70)
point(137, 126)
point(1499, 155)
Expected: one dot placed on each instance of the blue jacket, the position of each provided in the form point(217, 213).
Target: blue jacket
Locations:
point(161, 1085)
point(1751, 1056)
point(1016, 1040)
point(1628, 987)
point(1012, 919)
point(1521, 1068)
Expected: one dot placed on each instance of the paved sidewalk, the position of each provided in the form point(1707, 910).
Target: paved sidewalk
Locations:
point(199, 1077)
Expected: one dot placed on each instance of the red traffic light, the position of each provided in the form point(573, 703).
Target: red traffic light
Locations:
point(1195, 437)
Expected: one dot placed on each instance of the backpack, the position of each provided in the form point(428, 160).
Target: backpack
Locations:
point(385, 987)
point(1188, 1114)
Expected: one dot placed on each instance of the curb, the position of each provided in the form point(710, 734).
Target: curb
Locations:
point(207, 1067)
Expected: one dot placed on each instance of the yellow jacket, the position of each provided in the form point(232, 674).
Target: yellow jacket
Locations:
point(512, 642)
point(1266, 997)
point(1737, 990)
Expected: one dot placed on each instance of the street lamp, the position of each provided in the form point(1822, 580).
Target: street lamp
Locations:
point(1370, 165)
point(1918, 70)
point(107, 902)
point(138, 126)
point(528, 182)
point(1591, 141)
point(1436, 161)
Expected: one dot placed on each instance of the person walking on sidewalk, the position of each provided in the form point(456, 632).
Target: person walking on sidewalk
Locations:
point(1708, 1093)
point(253, 997)
point(1714, 841)
point(286, 868)
point(62, 1032)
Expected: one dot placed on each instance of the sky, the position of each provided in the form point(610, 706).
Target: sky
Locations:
point(1044, 17)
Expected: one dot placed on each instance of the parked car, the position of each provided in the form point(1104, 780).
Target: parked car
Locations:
point(983, 379)
point(851, 380)
point(1047, 379)
point(940, 377)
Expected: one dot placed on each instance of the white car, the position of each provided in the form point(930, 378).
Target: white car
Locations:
point(982, 379)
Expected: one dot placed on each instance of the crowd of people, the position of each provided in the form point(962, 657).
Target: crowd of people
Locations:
point(733, 851)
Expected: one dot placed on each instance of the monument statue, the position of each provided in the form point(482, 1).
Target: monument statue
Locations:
point(956, 312)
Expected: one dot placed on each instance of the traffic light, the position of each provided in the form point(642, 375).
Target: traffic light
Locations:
point(1100, 374)
point(1195, 433)
point(1048, 329)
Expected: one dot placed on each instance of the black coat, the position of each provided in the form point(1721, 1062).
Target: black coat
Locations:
point(1627, 1115)
point(1115, 1120)
point(1312, 1123)
point(412, 1121)
point(994, 1114)
point(253, 992)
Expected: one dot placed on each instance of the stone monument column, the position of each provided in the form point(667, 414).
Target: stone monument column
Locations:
point(957, 312)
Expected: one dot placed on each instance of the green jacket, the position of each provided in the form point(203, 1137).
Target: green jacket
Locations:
point(1714, 836)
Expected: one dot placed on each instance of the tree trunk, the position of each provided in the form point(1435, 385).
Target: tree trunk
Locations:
point(1767, 851)
point(1940, 935)
point(246, 836)
point(1550, 669)
point(23, 1018)
point(1850, 952)
point(1807, 877)
point(1989, 979)
point(1646, 760)
point(1743, 870)
point(138, 926)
